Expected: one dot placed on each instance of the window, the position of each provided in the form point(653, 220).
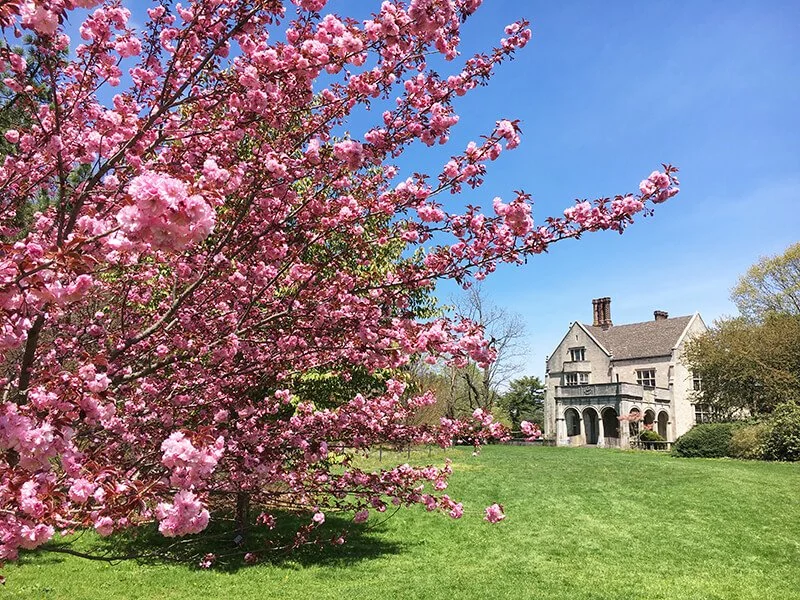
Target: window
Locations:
point(573, 379)
point(697, 381)
point(577, 354)
point(646, 377)
point(704, 413)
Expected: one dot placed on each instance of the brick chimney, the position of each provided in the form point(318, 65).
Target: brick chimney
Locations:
point(660, 315)
point(601, 312)
point(605, 312)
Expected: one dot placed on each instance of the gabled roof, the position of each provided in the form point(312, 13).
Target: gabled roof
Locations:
point(641, 340)
point(591, 336)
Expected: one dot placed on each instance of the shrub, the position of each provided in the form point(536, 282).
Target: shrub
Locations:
point(648, 435)
point(709, 440)
point(783, 439)
point(747, 442)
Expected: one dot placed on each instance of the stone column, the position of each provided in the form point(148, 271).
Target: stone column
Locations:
point(624, 435)
point(561, 432)
point(601, 434)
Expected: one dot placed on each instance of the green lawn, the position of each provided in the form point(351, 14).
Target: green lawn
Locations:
point(582, 523)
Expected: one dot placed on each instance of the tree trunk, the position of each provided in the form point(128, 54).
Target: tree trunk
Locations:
point(242, 515)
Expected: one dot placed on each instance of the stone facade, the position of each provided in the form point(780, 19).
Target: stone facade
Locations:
point(601, 371)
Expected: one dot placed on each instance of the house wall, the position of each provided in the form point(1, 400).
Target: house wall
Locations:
point(683, 391)
point(597, 364)
point(626, 369)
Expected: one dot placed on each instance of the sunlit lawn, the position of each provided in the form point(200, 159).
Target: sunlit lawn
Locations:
point(582, 523)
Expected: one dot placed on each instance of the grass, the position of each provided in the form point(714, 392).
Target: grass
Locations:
point(582, 524)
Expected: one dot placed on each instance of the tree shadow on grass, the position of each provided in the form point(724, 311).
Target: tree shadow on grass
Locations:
point(231, 550)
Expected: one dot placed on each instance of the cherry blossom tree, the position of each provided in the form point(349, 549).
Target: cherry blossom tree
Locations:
point(210, 235)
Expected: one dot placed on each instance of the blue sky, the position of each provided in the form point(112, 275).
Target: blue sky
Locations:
point(606, 91)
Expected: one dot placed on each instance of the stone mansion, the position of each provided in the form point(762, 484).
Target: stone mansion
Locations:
point(601, 371)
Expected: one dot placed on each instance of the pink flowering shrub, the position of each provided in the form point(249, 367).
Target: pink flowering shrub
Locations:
point(531, 430)
point(203, 241)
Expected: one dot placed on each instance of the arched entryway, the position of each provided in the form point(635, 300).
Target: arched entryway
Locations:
point(610, 426)
point(663, 421)
point(633, 426)
point(591, 426)
point(649, 416)
point(573, 422)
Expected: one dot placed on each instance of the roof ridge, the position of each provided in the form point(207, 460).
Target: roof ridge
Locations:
point(639, 322)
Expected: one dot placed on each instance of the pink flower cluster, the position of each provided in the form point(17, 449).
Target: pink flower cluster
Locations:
point(35, 443)
point(658, 185)
point(189, 465)
point(164, 214)
point(186, 514)
point(81, 490)
point(531, 430)
point(494, 513)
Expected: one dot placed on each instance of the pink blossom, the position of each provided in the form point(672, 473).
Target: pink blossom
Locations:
point(164, 214)
point(189, 464)
point(129, 46)
point(31, 537)
point(457, 511)
point(207, 560)
point(29, 500)
point(186, 514)
point(104, 526)
point(318, 518)
point(494, 513)
point(267, 520)
point(81, 490)
point(361, 516)
point(350, 152)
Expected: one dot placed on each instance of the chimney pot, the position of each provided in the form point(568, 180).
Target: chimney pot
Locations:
point(660, 315)
point(605, 312)
point(596, 317)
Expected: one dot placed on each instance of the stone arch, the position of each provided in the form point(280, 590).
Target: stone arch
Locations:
point(573, 422)
point(591, 426)
point(663, 422)
point(649, 416)
point(610, 422)
point(633, 426)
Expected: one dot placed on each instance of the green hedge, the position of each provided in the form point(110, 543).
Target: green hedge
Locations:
point(775, 438)
point(648, 435)
point(708, 440)
point(783, 439)
point(748, 441)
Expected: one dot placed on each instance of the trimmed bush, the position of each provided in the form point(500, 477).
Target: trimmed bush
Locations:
point(708, 440)
point(747, 442)
point(648, 435)
point(783, 440)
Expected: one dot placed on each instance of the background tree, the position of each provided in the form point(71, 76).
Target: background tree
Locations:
point(163, 314)
point(772, 285)
point(476, 386)
point(748, 367)
point(524, 401)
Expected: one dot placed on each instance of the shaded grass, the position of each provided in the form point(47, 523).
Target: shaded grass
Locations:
point(582, 524)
